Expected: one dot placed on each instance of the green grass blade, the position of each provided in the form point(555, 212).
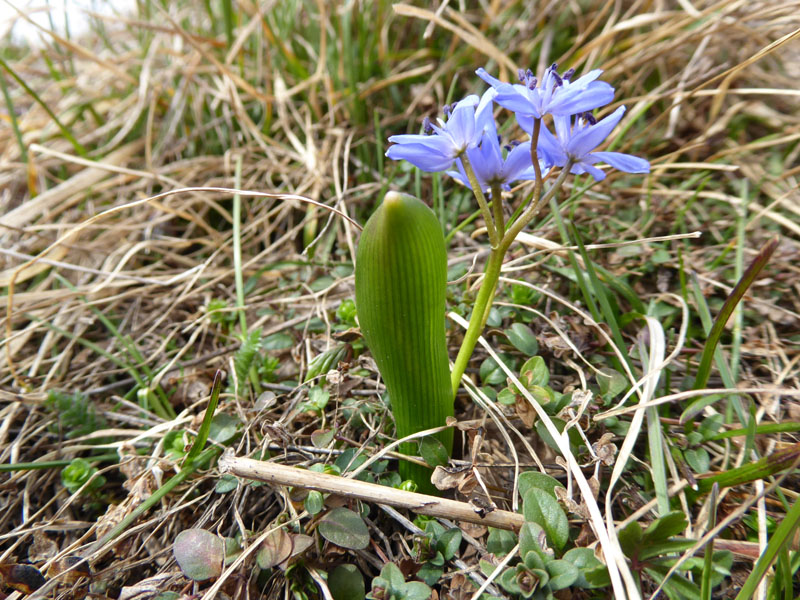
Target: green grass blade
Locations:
point(782, 535)
point(747, 279)
point(237, 247)
point(205, 426)
point(66, 132)
point(705, 584)
point(771, 464)
point(12, 115)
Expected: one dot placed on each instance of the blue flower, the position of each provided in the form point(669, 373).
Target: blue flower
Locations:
point(577, 139)
point(465, 125)
point(491, 168)
point(556, 94)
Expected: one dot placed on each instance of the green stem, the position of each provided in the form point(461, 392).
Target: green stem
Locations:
point(497, 208)
point(479, 311)
point(494, 240)
point(483, 302)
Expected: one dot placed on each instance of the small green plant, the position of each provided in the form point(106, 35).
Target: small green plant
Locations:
point(391, 585)
point(76, 414)
point(77, 473)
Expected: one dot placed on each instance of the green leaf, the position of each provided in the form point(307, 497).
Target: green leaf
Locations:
point(536, 479)
point(416, 590)
point(611, 383)
point(344, 528)
point(671, 524)
point(522, 338)
point(433, 451)
point(224, 427)
point(346, 582)
point(430, 573)
point(698, 459)
point(540, 507)
point(562, 574)
point(535, 372)
point(314, 502)
point(630, 539)
point(593, 573)
point(322, 363)
point(507, 396)
point(277, 341)
point(401, 289)
point(491, 373)
point(500, 542)
point(226, 483)
point(529, 539)
point(449, 542)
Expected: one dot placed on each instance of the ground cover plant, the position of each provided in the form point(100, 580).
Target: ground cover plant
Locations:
point(183, 195)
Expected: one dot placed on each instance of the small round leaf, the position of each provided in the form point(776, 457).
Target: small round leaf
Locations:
point(344, 528)
point(275, 549)
point(199, 553)
point(346, 583)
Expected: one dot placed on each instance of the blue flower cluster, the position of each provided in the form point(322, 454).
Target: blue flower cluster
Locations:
point(470, 131)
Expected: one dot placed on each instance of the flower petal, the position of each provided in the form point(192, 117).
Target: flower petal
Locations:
point(624, 162)
point(591, 137)
point(575, 100)
point(517, 162)
point(425, 156)
point(550, 150)
point(585, 167)
point(518, 101)
point(461, 126)
point(492, 81)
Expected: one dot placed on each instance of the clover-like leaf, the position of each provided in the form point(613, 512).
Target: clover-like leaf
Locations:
point(344, 528)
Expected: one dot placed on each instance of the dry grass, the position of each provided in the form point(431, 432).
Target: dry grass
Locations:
point(165, 102)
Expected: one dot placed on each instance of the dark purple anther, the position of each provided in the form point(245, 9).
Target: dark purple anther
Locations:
point(427, 128)
point(568, 74)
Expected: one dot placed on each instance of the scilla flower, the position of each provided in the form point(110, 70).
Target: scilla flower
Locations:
point(555, 94)
point(576, 139)
point(443, 142)
point(491, 169)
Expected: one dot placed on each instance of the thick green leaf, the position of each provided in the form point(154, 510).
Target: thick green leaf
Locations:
point(540, 507)
point(593, 573)
point(400, 281)
point(314, 502)
point(344, 528)
point(531, 537)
